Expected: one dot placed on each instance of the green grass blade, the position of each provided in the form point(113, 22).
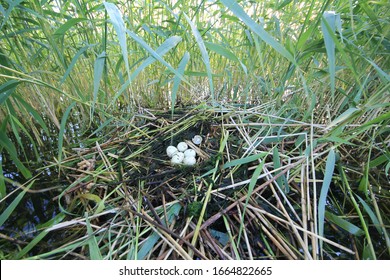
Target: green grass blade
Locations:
point(62, 130)
point(119, 26)
point(380, 160)
point(6, 143)
point(57, 219)
point(368, 250)
point(98, 69)
point(141, 42)
point(153, 239)
point(372, 216)
point(244, 160)
point(7, 89)
point(94, 251)
point(382, 74)
point(344, 116)
point(328, 24)
point(3, 189)
point(259, 30)
point(282, 181)
point(18, 125)
point(177, 80)
point(73, 62)
point(11, 6)
point(10, 209)
point(251, 186)
point(351, 228)
point(329, 169)
point(231, 238)
point(205, 55)
point(226, 53)
point(66, 26)
point(164, 48)
point(33, 113)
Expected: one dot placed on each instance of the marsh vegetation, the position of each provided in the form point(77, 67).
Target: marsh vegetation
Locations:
point(291, 99)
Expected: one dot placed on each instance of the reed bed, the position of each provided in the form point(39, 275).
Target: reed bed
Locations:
point(291, 99)
point(253, 193)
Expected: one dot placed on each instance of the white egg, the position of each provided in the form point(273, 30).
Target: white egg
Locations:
point(189, 160)
point(197, 139)
point(180, 155)
point(177, 158)
point(171, 150)
point(189, 153)
point(182, 146)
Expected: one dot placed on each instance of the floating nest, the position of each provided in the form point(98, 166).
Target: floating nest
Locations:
point(251, 194)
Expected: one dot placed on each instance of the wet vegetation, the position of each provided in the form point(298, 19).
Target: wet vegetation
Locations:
point(291, 99)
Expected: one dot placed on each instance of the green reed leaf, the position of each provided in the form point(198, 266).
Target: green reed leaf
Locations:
point(258, 29)
point(11, 208)
point(205, 55)
point(329, 169)
point(94, 251)
point(351, 228)
point(61, 134)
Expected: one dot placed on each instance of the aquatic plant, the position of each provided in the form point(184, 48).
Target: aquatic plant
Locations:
point(292, 98)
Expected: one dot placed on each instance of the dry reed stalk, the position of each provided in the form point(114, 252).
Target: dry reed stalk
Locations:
point(308, 232)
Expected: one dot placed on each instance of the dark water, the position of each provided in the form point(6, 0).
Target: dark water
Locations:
point(37, 206)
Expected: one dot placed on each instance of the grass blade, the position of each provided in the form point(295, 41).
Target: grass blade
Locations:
point(259, 30)
point(205, 55)
point(119, 26)
point(6, 143)
point(164, 48)
point(98, 69)
point(343, 117)
point(140, 41)
point(66, 26)
point(7, 89)
point(372, 216)
point(62, 130)
point(73, 62)
point(34, 113)
point(329, 169)
point(251, 186)
point(282, 181)
point(351, 228)
point(177, 80)
point(57, 219)
point(94, 250)
point(10, 209)
point(328, 24)
point(244, 160)
point(226, 53)
point(152, 240)
point(368, 250)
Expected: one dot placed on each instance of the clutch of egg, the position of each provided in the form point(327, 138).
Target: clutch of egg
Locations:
point(181, 154)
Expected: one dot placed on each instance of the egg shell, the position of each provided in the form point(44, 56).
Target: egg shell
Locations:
point(171, 150)
point(180, 155)
point(197, 139)
point(189, 153)
point(182, 146)
point(189, 161)
point(177, 158)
